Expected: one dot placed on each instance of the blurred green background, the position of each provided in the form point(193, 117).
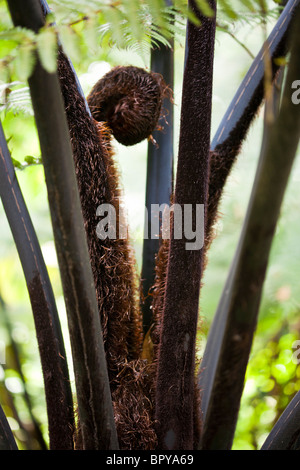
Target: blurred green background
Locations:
point(272, 378)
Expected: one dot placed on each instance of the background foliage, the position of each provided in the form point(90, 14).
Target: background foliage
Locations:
point(94, 47)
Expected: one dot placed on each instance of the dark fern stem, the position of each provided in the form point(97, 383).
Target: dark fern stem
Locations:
point(45, 315)
point(224, 152)
point(224, 155)
point(225, 148)
point(232, 132)
point(139, 95)
point(177, 422)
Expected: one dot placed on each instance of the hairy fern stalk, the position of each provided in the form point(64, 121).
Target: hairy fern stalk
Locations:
point(143, 382)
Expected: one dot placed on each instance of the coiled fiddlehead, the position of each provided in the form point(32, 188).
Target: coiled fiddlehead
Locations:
point(125, 103)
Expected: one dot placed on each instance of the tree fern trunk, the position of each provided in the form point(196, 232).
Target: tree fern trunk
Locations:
point(176, 361)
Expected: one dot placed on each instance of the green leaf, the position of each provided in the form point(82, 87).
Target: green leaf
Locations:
point(228, 10)
point(116, 20)
point(17, 34)
point(30, 160)
point(50, 19)
point(248, 4)
point(91, 34)
point(15, 99)
point(70, 40)
point(25, 61)
point(131, 10)
point(5, 70)
point(205, 8)
point(17, 164)
point(47, 49)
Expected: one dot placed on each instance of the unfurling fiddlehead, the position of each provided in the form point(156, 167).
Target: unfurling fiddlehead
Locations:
point(129, 100)
point(127, 103)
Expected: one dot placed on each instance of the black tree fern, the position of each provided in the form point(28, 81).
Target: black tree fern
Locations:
point(129, 395)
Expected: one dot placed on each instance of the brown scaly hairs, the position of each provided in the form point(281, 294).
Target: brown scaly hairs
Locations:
point(125, 103)
point(129, 99)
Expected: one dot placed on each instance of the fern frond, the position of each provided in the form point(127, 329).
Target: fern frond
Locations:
point(248, 17)
point(136, 25)
point(15, 99)
point(151, 35)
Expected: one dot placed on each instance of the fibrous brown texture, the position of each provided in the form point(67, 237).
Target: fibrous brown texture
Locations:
point(112, 260)
point(129, 100)
point(175, 385)
point(222, 159)
point(134, 406)
point(158, 294)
